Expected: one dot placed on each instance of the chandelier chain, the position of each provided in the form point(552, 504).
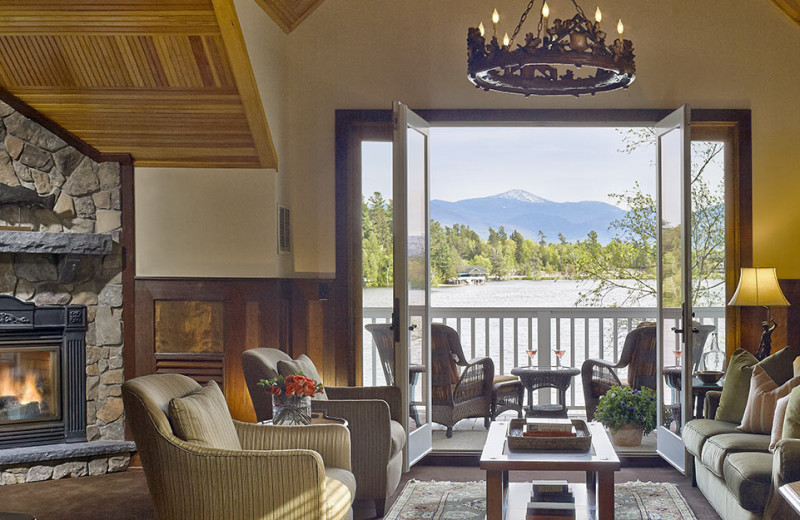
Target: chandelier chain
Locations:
point(579, 9)
point(522, 21)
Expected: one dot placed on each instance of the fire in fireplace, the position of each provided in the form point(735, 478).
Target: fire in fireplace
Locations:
point(42, 373)
point(29, 386)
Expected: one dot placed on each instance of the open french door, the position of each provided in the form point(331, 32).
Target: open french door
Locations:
point(411, 315)
point(673, 200)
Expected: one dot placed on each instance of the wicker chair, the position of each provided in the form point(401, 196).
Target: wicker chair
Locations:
point(638, 354)
point(384, 341)
point(194, 482)
point(373, 415)
point(458, 393)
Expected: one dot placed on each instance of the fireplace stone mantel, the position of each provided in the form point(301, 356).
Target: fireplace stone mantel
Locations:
point(55, 243)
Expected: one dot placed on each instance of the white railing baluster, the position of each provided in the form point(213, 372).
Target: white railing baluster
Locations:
point(539, 323)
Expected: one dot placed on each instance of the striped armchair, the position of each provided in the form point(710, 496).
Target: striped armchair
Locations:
point(373, 415)
point(461, 388)
point(193, 482)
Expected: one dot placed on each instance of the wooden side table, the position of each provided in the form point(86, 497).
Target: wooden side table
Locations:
point(791, 492)
point(534, 378)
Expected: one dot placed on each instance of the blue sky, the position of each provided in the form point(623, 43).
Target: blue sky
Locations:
point(560, 164)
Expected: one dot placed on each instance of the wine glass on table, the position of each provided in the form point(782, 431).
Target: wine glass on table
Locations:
point(677, 352)
point(531, 351)
point(559, 354)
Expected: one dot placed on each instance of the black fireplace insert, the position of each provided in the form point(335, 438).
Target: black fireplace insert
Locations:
point(42, 373)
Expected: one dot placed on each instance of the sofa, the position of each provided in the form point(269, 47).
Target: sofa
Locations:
point(736, 471)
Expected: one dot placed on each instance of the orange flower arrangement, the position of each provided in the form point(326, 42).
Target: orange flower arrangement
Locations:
point(290, 397)
point(292, 385)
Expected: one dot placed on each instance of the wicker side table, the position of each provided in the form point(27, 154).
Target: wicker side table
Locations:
point(535, 378)
point(507, 394)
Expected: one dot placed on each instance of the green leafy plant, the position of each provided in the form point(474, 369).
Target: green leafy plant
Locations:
point(624, 405)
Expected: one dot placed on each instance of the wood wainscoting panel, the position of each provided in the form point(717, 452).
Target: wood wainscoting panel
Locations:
point(200, 327)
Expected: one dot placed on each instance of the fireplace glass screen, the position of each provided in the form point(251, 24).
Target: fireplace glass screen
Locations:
point(29, 385)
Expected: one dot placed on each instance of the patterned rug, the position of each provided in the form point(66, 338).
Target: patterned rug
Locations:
point(436, 500)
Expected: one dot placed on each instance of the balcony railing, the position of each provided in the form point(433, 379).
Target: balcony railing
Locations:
point(504, 334)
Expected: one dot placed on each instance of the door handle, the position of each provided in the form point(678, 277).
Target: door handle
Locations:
point(412, 327)
point(676, 330)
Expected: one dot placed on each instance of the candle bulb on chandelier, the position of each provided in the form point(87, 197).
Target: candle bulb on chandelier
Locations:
point(506, 41)
point(598, 16)
point(495, 21)
point(620, 28)
point(545, 15)
point(481, 29)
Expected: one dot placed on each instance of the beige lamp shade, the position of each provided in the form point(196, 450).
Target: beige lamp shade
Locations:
point(758, 286)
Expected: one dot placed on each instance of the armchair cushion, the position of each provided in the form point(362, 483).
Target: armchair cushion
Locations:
point(340, 488)
point(304, 365)
point(398, 437)
point(202, 418)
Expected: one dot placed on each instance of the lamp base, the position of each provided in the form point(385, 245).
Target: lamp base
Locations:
point(765, 347)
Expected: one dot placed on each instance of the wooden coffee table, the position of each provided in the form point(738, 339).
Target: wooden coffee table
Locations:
point(506, 501)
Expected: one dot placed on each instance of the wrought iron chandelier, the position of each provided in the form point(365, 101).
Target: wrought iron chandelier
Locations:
point(568, 58)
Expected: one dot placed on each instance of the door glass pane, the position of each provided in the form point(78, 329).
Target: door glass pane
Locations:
point(417, 218)
point(708, 257)
point(29, 384)
point(671, 273)
point(377, 276)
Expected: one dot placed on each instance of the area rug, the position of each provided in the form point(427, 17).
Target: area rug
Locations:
point(437, 500)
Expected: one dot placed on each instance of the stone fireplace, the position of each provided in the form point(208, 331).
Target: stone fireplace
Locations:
point(60, 231)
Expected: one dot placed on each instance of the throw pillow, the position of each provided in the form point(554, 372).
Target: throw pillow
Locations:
point(791, 423)
point(779, 365)
point(737, 384)
point(302, 365)
point(796, 366)
point(764, 394)
point(777, 422)
point(203, 418)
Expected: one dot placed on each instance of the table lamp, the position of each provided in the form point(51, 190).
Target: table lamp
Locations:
point(758, 286)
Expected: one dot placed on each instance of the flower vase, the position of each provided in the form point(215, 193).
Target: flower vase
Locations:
point(291, 410)
point(627, 435)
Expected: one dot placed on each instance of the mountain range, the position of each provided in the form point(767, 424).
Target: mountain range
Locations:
point(529, 214)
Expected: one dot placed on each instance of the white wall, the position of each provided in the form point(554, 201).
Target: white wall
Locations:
point(205, 223)
point(356, 54)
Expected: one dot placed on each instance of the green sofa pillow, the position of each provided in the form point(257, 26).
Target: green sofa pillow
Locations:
point(791, 421)
point(779, 365)
point(736, 387)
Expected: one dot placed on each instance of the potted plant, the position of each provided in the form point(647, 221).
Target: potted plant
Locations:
point(628, 413)
point(291, 398)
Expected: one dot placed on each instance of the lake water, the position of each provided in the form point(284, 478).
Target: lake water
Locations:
point(509, 293)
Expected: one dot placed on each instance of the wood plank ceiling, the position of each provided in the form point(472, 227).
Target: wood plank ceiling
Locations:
point(167, 81)
point(790, 7)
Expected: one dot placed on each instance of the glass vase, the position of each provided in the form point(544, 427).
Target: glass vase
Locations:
point(291, 410)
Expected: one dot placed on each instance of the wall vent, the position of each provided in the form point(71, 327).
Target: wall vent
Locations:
point(284, 230)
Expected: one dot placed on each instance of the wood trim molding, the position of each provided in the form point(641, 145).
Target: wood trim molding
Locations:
point(790, 8)
point(245, 81)
point(289, 14)
point(352, 126)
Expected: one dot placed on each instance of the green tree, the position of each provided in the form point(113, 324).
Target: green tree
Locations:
point(629, 261)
